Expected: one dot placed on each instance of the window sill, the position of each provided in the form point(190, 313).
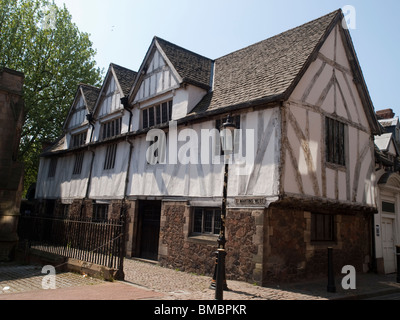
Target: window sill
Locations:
point(203, 239)
point(335, 166)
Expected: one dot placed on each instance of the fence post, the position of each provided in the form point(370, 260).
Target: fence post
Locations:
point(120, 273)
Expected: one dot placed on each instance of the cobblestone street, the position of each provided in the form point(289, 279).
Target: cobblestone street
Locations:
point(149, 281)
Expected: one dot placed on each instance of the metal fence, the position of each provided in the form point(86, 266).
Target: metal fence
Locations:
point(78, 238)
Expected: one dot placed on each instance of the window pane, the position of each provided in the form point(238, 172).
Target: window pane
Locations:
point(165, 112)
point(151, 117)
point(170, 110)
point(145, 119)
point(217, 222)
point(158, 114)
point(198, 220)
point(322, 227)
point(335, 141)
point(388, 207)
point(208, 221)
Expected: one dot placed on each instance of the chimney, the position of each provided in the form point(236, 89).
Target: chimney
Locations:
point(385, 114)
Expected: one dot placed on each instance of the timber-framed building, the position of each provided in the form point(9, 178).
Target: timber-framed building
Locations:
point(302, 107)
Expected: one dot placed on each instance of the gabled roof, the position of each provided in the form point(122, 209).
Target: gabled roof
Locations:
point(187, 66)
point(266, 69)
point(125, 77)
point(89, 94)
point(191, 67)
point(384, 141)
point(269, 70)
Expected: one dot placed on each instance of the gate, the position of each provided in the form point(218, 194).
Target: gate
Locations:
point(97, 242)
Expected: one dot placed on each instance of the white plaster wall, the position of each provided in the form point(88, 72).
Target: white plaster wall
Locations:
point(64, 184)
point(185, 100)
point(327, 89)
point(109, 184)
point(206, 180)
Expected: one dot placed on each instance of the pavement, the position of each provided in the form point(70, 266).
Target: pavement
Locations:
point(146, 281)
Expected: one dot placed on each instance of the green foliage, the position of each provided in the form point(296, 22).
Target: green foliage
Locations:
point(39, 39)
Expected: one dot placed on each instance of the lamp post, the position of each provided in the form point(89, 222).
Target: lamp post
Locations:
point(227, 131)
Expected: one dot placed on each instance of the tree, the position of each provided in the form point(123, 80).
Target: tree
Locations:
point(39, 39)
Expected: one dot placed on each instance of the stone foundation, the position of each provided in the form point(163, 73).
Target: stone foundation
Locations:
point(290, 255)
point(180, 250)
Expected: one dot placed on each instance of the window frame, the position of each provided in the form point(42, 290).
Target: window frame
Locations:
point(77, 170)
point(110, 129)
point(215, 220)
point(100, 212)
point(335, 142)
point(328, 223)
point(110, 157)
point(52, 168)
point(79, 139)
point(157, 114)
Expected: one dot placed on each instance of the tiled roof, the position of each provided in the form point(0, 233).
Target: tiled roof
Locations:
point(126, 77)
point(265, 69)
point(91, 94)
point(192, 67)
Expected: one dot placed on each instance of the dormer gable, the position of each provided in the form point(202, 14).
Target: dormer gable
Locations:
point(116, 85)
point(386, 144)
point(172, 79)
point(157, 76)
point(84, 103)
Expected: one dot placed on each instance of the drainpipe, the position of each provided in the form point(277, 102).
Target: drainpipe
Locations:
point(123, 213)
point(90, 119)
point(125, 103)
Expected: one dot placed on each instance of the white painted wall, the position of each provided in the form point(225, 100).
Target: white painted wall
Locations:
point(158, 79)
point(64, 185)
point(185, 100)
point(327, 89)
point(78, 117)
point(109, 184)
point(205, 180)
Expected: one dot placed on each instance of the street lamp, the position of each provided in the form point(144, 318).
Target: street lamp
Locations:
point(227, 133)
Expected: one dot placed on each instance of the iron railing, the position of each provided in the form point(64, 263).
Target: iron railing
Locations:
point(97, 242)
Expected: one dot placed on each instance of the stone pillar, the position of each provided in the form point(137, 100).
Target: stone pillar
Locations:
point(11, 171)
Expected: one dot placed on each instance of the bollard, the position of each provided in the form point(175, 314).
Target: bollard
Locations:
point(331, 276)
point(398, 263)
point(219, 289)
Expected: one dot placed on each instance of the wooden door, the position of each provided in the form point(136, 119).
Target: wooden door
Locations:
point(150, 216)
point(388, 245)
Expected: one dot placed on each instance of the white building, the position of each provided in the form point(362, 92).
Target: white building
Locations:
point(307, 137)
point(387, 221)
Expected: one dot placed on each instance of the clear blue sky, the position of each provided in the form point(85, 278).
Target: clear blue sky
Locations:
point(122, 30)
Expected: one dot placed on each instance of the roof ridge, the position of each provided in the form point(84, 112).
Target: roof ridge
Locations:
point(122, 67)
point(182, 48)
point(333, 13)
